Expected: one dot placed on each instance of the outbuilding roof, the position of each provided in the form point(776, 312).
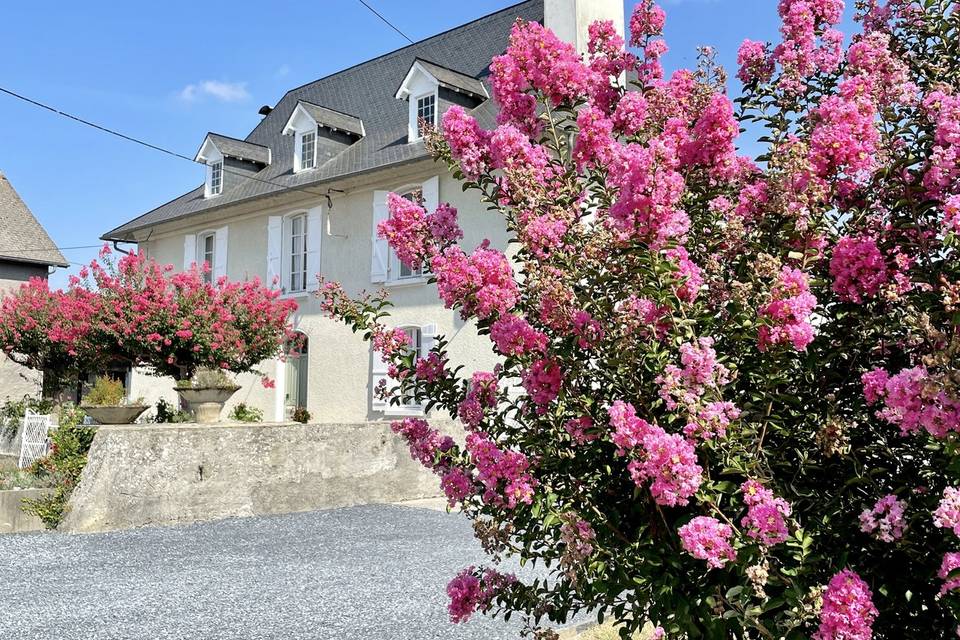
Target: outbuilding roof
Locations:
point(22, 237)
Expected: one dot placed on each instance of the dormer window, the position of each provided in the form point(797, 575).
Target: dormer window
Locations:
point(423, 87)
point(216, 178)
point(319, 133)
point(426, 113)
point(308, 150)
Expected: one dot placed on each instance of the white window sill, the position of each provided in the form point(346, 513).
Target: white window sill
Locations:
point(296, 294)
point(403, 411)
point(405, 282)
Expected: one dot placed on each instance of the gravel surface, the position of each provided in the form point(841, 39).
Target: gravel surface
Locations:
point(373, 572)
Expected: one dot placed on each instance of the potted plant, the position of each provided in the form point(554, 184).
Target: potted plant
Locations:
point(106, 403)
point(206, 393)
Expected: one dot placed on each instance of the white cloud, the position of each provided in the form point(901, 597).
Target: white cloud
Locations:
point(283, 71)
point(222, 91)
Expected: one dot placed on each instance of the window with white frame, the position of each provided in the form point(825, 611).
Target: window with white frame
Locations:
point(422, 341)
point(426, 113)
point(416, 346)
point(296, 258)
point(216, 178)
point(398, 270)
point(308, 150)
point(206, 254)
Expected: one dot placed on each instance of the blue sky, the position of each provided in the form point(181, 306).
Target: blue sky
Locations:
point(169, 72)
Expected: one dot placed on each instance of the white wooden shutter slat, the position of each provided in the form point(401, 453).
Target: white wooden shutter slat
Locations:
point(274, 248)
point(189, 250)
point(219, 265)
point(380, 249)
point(314, 238)
point(378, 372)
point(428, 339)
point(431, 194)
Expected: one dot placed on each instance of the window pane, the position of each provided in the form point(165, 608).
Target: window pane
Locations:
point(426, 113)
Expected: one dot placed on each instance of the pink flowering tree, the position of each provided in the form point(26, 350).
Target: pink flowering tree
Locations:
point(136, 312)
point(727, 401)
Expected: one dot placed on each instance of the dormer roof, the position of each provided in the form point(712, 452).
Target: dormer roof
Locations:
point(232, 148)
point(325, 117)
point(442, 76)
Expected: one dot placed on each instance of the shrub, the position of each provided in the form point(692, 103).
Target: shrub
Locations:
point(62, 467)
point(242, 413)
point(208, 379)
point(300, 414)
point(166, 413)
point(728, 395)
point(105, 392)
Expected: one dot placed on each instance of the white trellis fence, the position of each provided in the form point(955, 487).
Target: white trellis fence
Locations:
point(34, 440)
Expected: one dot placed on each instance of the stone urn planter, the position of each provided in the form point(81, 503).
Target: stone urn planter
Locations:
point(123, 414)
point(206, 403)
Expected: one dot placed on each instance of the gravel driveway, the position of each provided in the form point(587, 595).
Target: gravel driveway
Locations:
point(373, 572)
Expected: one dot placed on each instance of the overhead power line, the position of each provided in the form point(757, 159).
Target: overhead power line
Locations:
point(113, 132)
point(385, 21)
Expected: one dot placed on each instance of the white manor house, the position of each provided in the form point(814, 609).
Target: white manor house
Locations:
point(301, 196)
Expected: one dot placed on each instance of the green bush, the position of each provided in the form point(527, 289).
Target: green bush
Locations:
point(300, 414)
point(106, 392)
point(166, 413)
point(208, 379)
point(62, 466)
point(243, 413)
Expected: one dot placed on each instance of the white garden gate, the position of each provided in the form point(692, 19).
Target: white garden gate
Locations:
point(34, 442)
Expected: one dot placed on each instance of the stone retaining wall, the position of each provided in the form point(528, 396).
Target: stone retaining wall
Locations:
point(12, 518)
point(171, 474)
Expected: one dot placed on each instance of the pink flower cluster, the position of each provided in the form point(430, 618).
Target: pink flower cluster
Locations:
point(481, 284)
point(874, 71)
point(843, 144)
point(587, 330)
point(481, 395)
point(699, 372)
point(405, 230)
point(912, 401)
point(542, 382)
point(858, 268)
point(577, 537)
point(469, 594)
point(948, 569)
point(669, 460)
point(787, 315)
point(468, 142)
point(643, 316)
point(688, 273)
point(503, 473)
point(885, 520)
point(947, 515)
point(799, 54)
point(951, 215)
point(943, 169)
point(848, 611)
point(513, 336)
point(577, 428)
point(754, 61)
point(650, 188)
point(424, 442)
point(711, 140)
point(711, 420)
point(708, 539)
point(646, 20)
point(766, 513)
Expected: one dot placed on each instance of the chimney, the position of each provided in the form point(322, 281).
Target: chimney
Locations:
point(569, 19)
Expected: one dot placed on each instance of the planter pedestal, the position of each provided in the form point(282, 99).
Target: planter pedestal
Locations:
point(206, 403)
point(126, 414)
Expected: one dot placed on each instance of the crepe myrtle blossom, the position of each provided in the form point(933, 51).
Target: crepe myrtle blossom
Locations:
point(765, 520)
point(708, 539)
point(848, 612)
point(947, 515)
point(948, 572)
point(788, 313)
point(913, 400)
point(858, 268)
point(885, 520)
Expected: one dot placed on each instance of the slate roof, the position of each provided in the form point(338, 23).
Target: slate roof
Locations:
point(366, 91)
point(22, 238)
point(334, 119)
point(240, 149)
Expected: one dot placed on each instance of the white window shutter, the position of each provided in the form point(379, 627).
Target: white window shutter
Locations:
point(314, 238)
point(220, 253)
point(189, 250)
point(428, 339)
point(381, 250)
point(274, 248)
point(431, 194)
point(378, 373)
